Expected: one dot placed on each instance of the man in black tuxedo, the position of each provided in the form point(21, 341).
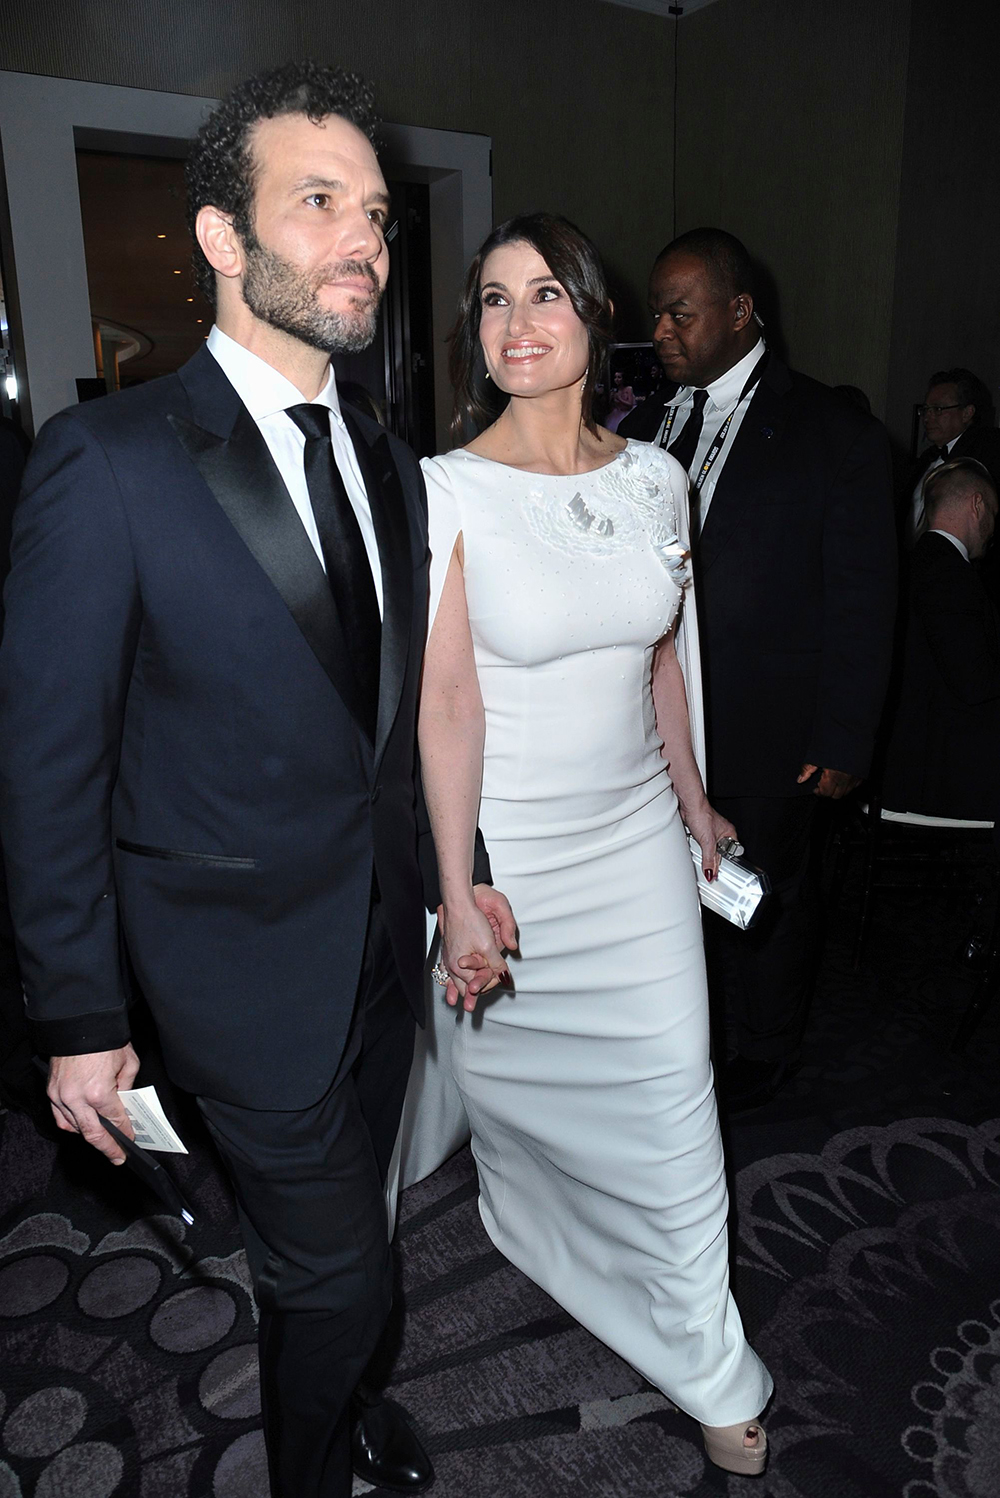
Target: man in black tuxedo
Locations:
point(958, 421)
point(20, 1085)
point(943, 754)
point(795, 577)
point(215, 625)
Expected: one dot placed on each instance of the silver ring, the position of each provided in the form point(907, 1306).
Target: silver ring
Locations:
point(440, 974)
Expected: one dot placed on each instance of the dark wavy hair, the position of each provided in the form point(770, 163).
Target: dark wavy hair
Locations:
point(221, 169)
point(576, 265)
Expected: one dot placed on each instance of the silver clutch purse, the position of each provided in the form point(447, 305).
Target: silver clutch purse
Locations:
point(738, 892)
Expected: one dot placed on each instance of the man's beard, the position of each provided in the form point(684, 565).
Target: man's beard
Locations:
point(288, 299)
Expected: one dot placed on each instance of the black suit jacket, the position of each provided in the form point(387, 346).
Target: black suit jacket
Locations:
point(795, 571)
point(943, 752)
point(186, 787)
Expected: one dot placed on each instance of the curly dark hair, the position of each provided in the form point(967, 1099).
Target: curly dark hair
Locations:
point(221, 169)
point(576, 265)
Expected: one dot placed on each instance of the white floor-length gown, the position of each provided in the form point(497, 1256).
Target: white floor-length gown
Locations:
point(588, 1088)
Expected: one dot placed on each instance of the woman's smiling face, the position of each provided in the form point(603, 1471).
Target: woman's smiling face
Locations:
point(532, 339)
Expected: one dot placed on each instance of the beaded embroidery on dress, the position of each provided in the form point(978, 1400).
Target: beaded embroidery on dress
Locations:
point(629, 506)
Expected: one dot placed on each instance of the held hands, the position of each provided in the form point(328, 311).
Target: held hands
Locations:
point(707, 826)
point(471, 945)
point(80, 1087)
point(834, 784)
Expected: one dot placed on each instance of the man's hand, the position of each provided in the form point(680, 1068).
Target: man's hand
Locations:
point(80, 1087)
point(496, 908)
point(483, 968)
point(834, 784)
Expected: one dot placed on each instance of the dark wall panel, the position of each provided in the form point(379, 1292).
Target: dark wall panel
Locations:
point(947, 295)
point(789, 135)
point(575, 93)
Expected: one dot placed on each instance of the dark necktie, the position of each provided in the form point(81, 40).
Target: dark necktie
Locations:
point(348, 569)
point(942, 453)
point(685, 446)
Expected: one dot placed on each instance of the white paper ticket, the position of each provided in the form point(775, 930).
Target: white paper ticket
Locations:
point(152, 1128)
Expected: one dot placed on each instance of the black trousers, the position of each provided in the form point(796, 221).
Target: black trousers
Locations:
point(309, 1185)
point(773, 965)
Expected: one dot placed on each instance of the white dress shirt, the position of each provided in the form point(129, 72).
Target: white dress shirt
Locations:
point(723, 394)
point(267, 396)
point(959, 545)
point(916, 525)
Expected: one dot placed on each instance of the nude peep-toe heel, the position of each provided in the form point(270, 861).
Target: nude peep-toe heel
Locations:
point(727, 1448)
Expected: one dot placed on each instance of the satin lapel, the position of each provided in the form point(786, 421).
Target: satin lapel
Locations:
point(744, 471)
point(392, 532)
point(243, 477)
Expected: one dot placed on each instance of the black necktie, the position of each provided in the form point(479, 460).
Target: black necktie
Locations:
point(942, 453)
point(683, 449)
point(348, 569)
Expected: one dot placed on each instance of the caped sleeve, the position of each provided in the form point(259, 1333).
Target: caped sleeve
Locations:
point(686, 641)
point(443, 529)
point(444, 524)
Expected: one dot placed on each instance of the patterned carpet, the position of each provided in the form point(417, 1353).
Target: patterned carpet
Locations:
point(866, 1259)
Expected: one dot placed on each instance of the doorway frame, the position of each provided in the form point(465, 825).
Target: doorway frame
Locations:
point(43, 121)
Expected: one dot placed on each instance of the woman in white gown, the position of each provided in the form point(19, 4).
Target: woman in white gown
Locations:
point(553, 700)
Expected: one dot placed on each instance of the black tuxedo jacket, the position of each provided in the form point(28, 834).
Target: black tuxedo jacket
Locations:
point(981, 443)
point(12, 457)
point(187, 791)
point(795, 572)
point(943, 752)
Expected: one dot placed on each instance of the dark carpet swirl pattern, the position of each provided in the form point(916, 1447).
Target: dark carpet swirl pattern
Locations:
point(866, 1251)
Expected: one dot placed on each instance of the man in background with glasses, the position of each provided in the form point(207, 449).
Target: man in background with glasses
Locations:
point(959, 422)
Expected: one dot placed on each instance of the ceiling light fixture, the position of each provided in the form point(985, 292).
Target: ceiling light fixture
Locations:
point(673, 8)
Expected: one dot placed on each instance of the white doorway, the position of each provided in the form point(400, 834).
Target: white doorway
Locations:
point(44, 122)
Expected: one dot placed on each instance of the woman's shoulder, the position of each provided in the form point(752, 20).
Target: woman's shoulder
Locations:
point(651, 460)
point(446, 465)
point(451, 479)
point(441, 472)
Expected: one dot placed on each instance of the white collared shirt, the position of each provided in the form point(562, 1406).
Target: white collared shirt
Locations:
point(267, 396)
point(917, 517)
point(936, 530)
point(723, 394)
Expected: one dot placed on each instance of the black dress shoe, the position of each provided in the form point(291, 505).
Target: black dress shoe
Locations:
point(750, 1084)
point(385, 1450)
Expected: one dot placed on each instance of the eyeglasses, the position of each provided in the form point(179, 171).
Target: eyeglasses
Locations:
point(936, 410)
